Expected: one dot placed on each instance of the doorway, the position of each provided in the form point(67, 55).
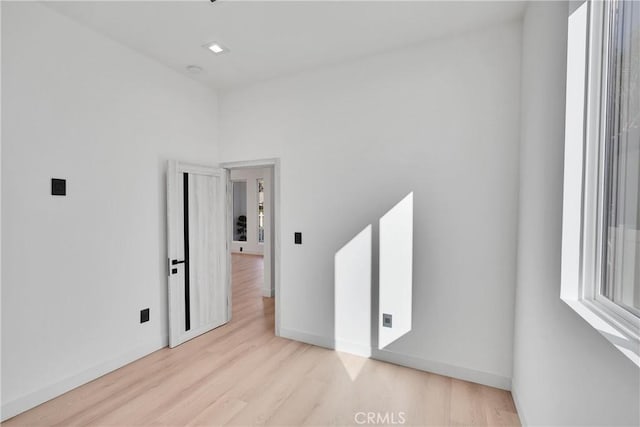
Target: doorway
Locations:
point(255, 247)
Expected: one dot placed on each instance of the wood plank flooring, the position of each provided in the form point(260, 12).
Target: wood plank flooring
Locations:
point(241, 374)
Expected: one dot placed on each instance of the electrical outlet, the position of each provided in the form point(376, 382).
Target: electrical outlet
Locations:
point(387, 320)
point(297, 238)
point(144, 315)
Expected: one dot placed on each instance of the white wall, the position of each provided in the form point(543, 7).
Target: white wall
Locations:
point(441, 120)
point(78, 269)
point(565, 372)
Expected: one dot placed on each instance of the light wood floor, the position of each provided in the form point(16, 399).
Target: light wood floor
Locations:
point(241, 374)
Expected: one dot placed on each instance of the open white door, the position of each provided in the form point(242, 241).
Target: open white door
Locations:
point(199, 262)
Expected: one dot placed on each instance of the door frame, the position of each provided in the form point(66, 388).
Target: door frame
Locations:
point(273, 163)
point(173, 168)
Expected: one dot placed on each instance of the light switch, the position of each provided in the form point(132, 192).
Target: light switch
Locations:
point(58, 187)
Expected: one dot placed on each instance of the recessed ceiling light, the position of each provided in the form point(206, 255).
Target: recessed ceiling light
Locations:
point(216, 48)
point(194, 69)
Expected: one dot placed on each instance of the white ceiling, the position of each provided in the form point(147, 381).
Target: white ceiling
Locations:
point(272, 38)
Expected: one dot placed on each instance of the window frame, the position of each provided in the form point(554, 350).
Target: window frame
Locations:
point(258, 210)
point(233, 213)
point(584, 183)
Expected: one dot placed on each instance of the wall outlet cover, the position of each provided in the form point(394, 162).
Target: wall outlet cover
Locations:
point(144, 315)
point(387, 320)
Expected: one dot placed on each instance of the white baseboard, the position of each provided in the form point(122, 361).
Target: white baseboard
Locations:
point(245, 252)
point(33, 399)
point(330, 343)
point(305, 337)
point(459, 372)
point(466, 374)
point(267, 293)
point(519, 410)
point(353, 348)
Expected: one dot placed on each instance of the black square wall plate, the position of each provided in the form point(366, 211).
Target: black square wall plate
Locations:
point(58, 187)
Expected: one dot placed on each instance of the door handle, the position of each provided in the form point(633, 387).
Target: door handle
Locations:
point(174, 262)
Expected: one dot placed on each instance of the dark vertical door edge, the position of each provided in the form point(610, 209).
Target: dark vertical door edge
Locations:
point(187, 305)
